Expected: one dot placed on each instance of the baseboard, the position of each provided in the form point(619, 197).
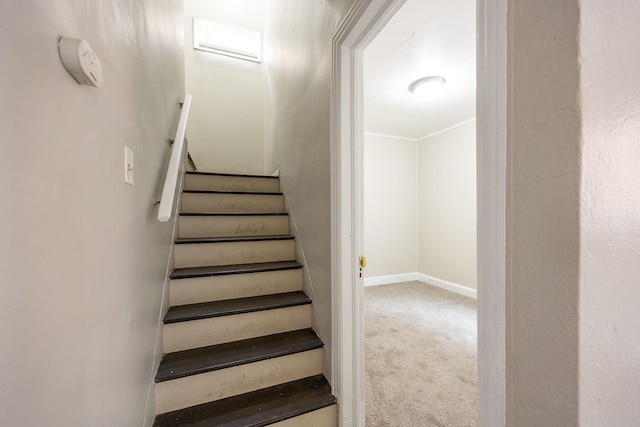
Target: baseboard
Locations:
point(449, 286)
point(412, 277)
point(393, 278)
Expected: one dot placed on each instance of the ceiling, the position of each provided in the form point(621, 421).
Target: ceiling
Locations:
point(425, 38)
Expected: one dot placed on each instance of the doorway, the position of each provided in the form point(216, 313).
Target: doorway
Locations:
point(419, 84)
point(364, 21)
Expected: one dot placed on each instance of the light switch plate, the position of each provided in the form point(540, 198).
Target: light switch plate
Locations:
point(128, 165)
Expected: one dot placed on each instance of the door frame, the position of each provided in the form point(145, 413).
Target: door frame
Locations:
point(361, 24)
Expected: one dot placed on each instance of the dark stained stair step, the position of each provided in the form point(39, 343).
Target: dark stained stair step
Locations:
point(231, 174)
point(205, 310)
point(188, 240)
point(256, 409)
point(222, 270)
point(248, 193)
point(205, 359)
point(236, 214)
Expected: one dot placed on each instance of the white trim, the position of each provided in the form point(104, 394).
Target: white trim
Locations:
point(491, 130)
point(438, 132)
point(423, 278)
point(382, 135)
point(362, 23)
point(392, 278)
point(447, 129)
point(448, 286)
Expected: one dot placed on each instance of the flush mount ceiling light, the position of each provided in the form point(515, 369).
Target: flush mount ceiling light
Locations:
point(427, 85)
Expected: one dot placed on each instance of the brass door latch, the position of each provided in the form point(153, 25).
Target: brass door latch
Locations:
point(362, 263)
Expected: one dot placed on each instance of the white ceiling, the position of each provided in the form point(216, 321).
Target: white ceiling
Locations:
point(425, 38)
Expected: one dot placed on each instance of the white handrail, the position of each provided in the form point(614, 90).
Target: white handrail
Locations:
point(171, 180)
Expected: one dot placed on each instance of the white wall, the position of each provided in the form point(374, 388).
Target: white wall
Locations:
point(573, 343)
point(447, 205)
point(298, 64)
point(543, 201)
point(610, 214)
point(390, 206)
point(420, 206)
point(83, 259)
point(226, 127)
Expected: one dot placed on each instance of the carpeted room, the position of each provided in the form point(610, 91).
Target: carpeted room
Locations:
point(420, 356)
point(420, 220)
point(420, 281)
point(419, 298)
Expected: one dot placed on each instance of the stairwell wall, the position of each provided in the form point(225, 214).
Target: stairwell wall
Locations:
point(226, 127)
point(83, 259)
point(298, 66)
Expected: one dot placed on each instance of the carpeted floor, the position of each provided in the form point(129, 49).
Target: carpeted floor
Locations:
point(420, 357)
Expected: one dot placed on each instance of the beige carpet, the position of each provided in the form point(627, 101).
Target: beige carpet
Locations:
point(420, 357)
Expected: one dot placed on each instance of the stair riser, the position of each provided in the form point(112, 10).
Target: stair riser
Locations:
point(230, 286)
point(232, 226)
point(230, 253)
point(217, 330)
point(230, 183)
point(204, 202)
point(325, 417)
point(196, 389)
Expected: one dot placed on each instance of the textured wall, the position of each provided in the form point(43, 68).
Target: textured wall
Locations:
point(298, 64)
point(226, 127)
point(447, 206)
point(83, 259)
point(390, 206)
point(610, 214)
point(542, 214)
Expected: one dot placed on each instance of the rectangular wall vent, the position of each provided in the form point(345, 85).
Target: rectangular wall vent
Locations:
point(227, 40)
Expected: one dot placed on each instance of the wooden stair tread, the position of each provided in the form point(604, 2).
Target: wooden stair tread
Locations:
point(217, 214)
point(206, 310)
point(231, 174)
point(220, 208)
point(220, 356)
point(234, 192)
point(256, 409)
point(222, 270)
point(187, 240)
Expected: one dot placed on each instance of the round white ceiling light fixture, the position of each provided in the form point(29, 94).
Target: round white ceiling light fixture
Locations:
point(427, 86)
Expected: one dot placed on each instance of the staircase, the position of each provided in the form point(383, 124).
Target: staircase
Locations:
point(239, 348)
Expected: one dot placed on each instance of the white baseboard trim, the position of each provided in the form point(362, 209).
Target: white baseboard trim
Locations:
point(449, 286)
point(393, 278)
point(412, 277)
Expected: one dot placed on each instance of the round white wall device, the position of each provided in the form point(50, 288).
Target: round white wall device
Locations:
point(80, 61)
